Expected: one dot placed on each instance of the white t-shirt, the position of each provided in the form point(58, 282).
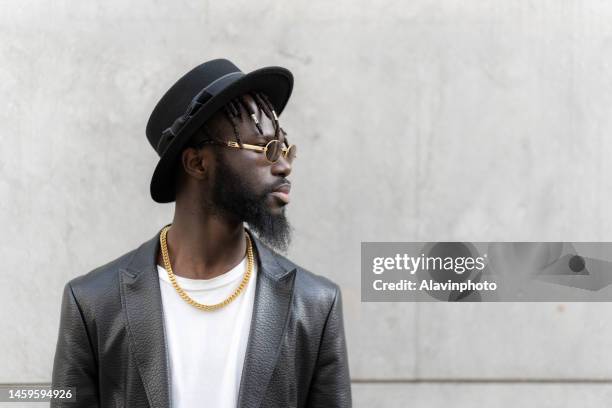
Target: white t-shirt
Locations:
point(206, 349)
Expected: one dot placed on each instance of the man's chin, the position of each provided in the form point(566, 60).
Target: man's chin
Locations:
point(276, 205)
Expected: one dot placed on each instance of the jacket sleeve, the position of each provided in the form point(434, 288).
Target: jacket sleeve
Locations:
point(74, 364)
point(331, 383)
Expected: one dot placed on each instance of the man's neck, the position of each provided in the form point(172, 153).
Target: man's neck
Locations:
point(203, 247)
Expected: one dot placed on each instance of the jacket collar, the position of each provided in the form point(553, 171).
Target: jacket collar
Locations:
point(141, 297)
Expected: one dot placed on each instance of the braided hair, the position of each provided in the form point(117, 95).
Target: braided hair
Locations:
point(233, 113)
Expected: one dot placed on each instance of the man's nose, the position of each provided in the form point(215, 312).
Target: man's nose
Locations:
point(282, 167)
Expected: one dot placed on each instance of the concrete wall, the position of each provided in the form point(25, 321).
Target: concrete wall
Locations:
point(422, 120)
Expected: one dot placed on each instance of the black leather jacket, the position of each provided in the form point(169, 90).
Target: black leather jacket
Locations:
point(111, 345)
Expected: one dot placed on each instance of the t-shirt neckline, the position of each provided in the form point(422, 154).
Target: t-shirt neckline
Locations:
point(234, 274)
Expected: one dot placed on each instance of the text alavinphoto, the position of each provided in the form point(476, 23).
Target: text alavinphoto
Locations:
point(432, 285)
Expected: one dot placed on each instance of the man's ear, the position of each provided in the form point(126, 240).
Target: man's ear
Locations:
point(195, 162)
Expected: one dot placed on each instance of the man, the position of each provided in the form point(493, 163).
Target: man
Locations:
point(206, 313)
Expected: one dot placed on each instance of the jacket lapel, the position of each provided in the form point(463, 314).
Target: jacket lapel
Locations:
point(141, 297)
point(271, 306)
point(142, 304)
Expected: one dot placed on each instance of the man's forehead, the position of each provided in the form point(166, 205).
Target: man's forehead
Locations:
point(249, 98)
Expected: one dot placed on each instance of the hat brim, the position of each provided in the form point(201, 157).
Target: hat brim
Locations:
point(275, 82)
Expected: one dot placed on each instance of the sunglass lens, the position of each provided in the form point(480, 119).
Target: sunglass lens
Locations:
point(291, 153)
point(273, 151)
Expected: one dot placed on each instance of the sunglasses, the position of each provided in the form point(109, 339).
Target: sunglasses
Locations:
point(273, 150)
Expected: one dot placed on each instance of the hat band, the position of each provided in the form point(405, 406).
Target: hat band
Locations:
point(221, 83)
point(197, 102)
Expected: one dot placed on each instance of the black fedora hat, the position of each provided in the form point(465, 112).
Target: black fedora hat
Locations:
point(192, 100)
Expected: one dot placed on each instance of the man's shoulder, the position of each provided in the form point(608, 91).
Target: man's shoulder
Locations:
point(310, 286)
point(102, 279)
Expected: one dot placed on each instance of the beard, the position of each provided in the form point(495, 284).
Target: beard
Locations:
point(232, 195)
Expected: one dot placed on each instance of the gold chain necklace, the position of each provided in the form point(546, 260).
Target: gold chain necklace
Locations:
point(185, 296)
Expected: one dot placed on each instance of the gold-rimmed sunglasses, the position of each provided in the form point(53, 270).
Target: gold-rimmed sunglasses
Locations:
point(273, 149)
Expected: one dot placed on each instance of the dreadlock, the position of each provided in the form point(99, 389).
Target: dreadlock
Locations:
point(232, 111)
point(230, 115)
point(273, 116)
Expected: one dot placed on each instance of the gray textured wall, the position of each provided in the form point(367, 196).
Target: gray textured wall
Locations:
point(422, 120)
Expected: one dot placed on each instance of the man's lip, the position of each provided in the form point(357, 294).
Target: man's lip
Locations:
point(282, 192)
point(284, 197)
point(283, 188)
